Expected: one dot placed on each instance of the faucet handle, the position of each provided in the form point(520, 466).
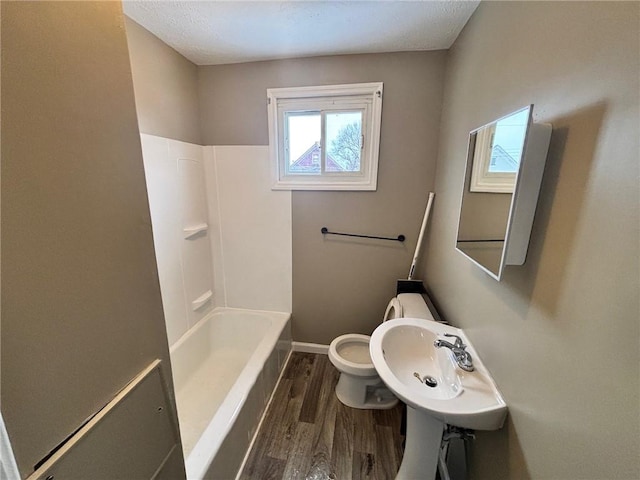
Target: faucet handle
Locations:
point(458, 343)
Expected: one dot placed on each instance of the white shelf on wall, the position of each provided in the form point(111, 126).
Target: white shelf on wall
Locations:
point(199, 302)
point(191, 232)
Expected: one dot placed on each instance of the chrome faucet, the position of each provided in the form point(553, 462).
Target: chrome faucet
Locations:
point(458, 348)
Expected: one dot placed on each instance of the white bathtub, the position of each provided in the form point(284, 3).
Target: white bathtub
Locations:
point(224, 371)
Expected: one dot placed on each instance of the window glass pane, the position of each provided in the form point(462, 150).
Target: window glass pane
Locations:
point(303, 142)
point(508, 143)
point(344, 141)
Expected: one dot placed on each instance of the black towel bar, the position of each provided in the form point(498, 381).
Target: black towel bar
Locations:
point(399, 238)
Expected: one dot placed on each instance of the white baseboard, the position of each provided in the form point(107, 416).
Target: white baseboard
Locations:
point(310, 348)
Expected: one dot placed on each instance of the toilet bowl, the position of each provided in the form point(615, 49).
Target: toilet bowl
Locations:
point(359, 385)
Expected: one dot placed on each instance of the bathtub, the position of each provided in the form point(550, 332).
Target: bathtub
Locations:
point(224, 371)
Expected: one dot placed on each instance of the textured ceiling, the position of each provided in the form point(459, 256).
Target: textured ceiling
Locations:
point(217, 32)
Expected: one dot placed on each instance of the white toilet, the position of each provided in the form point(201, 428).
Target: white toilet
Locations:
point(359, 385)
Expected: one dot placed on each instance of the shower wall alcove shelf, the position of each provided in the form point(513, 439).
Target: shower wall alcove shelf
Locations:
point(199, 302)
point(194, 230)
point(399, 238)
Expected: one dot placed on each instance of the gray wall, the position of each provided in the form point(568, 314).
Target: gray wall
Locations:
point(342, 285)
point(560, 334)
point(165, 85)
point(81, 306)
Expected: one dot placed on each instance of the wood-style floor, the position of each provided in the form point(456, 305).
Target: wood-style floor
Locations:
point(308, 434)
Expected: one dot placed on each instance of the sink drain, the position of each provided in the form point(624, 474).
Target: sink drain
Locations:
point(429, 381)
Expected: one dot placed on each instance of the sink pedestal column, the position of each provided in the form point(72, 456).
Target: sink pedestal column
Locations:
point(422, 446)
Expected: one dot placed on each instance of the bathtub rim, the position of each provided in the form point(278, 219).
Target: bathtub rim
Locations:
point(212, 313)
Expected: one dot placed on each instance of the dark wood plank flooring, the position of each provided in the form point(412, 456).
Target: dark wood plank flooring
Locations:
point(308, 434)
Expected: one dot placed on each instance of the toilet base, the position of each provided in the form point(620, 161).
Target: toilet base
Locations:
point(364, 393)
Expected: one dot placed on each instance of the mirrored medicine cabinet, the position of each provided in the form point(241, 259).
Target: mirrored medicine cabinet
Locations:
point(505, 162)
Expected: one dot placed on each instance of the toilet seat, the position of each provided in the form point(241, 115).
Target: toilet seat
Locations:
point(394, 310)
point(350, 353)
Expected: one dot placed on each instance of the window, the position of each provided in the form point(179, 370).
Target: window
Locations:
point(325, 138)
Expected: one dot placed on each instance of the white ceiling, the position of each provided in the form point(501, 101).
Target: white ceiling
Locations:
point(217, 32)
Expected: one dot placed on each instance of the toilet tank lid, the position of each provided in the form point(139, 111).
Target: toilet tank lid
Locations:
point(414, 306)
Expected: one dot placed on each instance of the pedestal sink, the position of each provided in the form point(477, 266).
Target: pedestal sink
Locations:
point(434, 388)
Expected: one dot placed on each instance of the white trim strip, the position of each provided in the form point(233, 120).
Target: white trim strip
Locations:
point(310, 348)
point(8, 466)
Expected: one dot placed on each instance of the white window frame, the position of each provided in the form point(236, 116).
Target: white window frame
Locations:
point(366, 97)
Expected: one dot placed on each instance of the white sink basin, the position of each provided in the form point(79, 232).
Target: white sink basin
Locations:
point(403, 353)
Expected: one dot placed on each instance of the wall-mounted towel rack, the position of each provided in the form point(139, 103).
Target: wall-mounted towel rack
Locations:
point(482, 241)
point(399, 238)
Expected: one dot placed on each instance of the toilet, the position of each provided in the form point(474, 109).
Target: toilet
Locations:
point(359, 385)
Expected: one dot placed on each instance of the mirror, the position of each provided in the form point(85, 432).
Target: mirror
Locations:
point(505, 161)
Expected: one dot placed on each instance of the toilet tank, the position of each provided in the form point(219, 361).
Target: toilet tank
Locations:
point(408, 305)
